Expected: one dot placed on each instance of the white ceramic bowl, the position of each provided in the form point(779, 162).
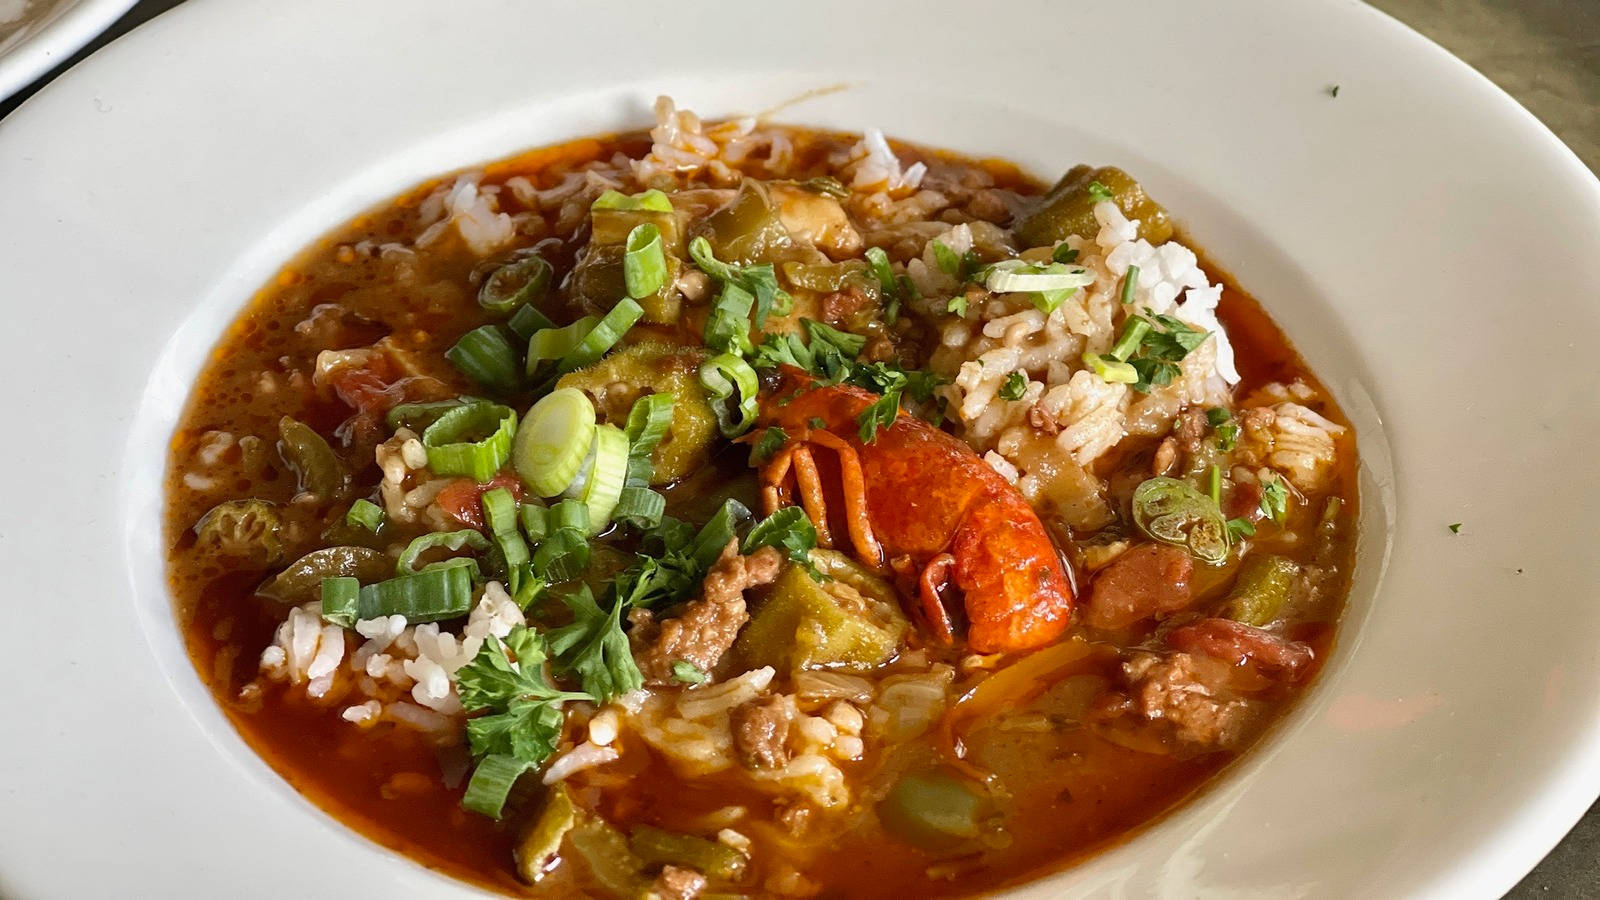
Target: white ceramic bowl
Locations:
point(47, 33)
point(1426, 243)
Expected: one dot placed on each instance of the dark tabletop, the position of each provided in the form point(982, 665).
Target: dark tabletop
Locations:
point(1546, 53)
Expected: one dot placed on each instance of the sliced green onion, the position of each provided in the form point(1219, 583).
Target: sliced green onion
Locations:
point(499, 510)
point(1216, 485)
point(1112, 370)
point(486, 356)
point(947, 260)
point(525, 586)
point(1133, 334)
point(1100, 192)
point(521, 281)
point(500, 514)
point(601, 486)
point(472, 440)
point(439, 591)
point(878, 261)
point(728, 325)
point(723, 377)
point(569, 514)
point(554, 440)
point(448, 540)
point(535, 521)
point(648, 422)
point(365, 514)
point(556, 344)
point(717, 532)
point(1130, 281)
point(492, 782)
point(562, 556)
point(640, 507)
point(644, 263)
point(527, 320)
point(341, 601)
point(418, 416)
point(1014, 275)
point(652, 200)
point(604, 335)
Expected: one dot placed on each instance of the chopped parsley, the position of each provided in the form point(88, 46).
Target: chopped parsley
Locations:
point(1154, 345)
point(1274, 499)
point(1333, 91)
point(1064, 254)
point(1223, 426)
point(957, 305)
point(788, 530)
point(768, 445)
point(1016, 384)
point(685, 672)
point(523, 710)
point(948, 260)
point(1239, 528)
point(816, 422)
point(595, 648)
point(1455, 528)
point(891, 382)
point(1100, 192)
point(759, 281)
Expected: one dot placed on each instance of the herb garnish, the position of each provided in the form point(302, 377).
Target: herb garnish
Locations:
point(1016, 384)
point(1274, 499)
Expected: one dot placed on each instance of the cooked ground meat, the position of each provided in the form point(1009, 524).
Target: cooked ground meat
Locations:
point(707, 627)
point(1149, 580)
point(1175, 689)
point(840, 307)
point(678, 883)
point(1190, 429)
point(761, 732)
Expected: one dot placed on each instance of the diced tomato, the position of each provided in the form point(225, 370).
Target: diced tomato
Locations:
point(462, 498)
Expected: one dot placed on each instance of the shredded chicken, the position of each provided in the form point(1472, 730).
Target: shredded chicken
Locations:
point(708, 625)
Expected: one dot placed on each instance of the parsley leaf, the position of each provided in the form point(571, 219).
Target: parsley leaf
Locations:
point(1455, 528)
point(957, 305)
point(1099, 192)
point(1227, 437)
point(1217, 415)
point(685, 672)
point(595, 648)
point(849, 344)
point(1274, 499)
point(1239, 528)
point(528, 730)
point(761, 281)
point(788, 530)
point(1064, 254)
point(492, 679)
point(949, 263)
point(1016, 384)
point(767, 446)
